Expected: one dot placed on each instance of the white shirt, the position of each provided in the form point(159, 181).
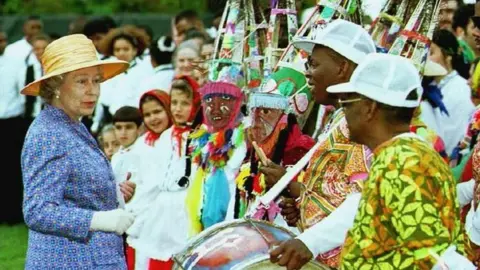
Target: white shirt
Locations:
point(162, 231)
point(19, 49)
point(457, 99)
point(122, 90)
point(20, 83)
point(161, 79)
point(12, 103)
point(124, 162)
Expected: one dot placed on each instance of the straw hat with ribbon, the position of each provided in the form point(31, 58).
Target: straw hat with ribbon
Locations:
point(70, 53)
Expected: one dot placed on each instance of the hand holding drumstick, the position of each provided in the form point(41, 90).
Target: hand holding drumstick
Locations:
point(273, 172)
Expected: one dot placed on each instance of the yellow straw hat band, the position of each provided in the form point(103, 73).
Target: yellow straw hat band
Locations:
point(70, 53)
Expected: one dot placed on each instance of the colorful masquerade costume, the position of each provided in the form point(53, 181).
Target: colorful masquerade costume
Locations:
point(216, 153)
point(471, 222)
point(337, 168)
point(419, 128)
point(284, 145)
point(398, 219)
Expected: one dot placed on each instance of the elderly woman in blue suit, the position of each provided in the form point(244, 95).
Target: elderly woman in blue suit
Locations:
point(70, 201)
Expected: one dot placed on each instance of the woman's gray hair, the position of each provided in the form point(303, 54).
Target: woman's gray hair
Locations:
point(189, 44)
point(49, 87)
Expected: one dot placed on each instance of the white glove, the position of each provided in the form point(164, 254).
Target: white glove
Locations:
point(117, 221)
point(452, 260)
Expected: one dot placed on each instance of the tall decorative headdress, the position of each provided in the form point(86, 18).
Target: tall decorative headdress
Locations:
point(301, 101)
point(406, 28)
point(286, 89)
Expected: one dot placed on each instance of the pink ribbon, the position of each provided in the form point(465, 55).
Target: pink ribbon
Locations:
point(276, 11)
point(272, 211)
point(231, 27)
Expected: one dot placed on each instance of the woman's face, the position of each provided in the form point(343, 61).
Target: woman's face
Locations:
point(124, 50)
point(219, 110)
point(154, 116)
point(180, 106)
point(110, 144)
point(78, 94)
point(184, 61)
point(437, 56)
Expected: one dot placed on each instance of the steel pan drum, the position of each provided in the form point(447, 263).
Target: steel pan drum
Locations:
point(238, 244)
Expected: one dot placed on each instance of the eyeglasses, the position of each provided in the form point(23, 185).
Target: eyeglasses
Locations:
point(476, 21)
point(348, 101)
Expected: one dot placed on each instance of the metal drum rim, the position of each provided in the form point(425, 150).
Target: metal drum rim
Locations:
point(261, 258)
point(194, 241)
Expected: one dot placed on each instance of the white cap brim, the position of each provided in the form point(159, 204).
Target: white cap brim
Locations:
point(375, 93)
point(305, 45)
point(341, 88)
point(346, 51)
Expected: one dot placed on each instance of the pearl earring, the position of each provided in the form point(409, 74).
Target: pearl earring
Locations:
point(57, 96)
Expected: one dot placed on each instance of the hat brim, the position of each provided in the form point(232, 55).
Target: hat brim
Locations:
point(305, 45)
point(109, 69)
point(341, 88)
point(433, 69)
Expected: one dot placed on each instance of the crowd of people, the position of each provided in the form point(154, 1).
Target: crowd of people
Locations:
point(129, 146)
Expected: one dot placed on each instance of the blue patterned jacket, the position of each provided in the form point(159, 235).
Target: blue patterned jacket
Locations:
point(66, 178)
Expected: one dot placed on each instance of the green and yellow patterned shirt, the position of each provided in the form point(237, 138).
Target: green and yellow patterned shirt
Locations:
point(408, 206)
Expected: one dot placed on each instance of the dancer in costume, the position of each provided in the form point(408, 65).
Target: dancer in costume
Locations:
point(408, 212)
point(163, 230)
point(469, 197)
point(338, 167)
point(217, 149)
point(276, 132)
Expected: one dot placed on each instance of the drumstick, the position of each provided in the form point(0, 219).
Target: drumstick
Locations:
point(260, 153)
point(273, 193)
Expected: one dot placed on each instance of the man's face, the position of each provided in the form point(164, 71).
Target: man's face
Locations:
point(468, 35)
point(32, 28)
point(3, 42)
point(97, 39)
point(476, 30)
point(356, 117)
point(180, 28)
point(447, 10)
point(323, 71)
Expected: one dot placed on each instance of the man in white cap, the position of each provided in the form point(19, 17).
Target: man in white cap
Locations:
point(338, 167)
point(408, 216)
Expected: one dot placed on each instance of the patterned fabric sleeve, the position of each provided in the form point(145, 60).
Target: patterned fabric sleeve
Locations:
point(407, 208)
point(45, 172)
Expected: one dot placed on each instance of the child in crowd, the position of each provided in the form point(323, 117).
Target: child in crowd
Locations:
point(163, 190)
point(127, 123)
point(108, 141)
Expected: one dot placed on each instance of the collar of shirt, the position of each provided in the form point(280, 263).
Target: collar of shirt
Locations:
point(133, 63)
point(447, 79)
point(163, 67)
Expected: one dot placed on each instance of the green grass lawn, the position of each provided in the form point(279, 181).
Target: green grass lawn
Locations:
point(13, 246)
